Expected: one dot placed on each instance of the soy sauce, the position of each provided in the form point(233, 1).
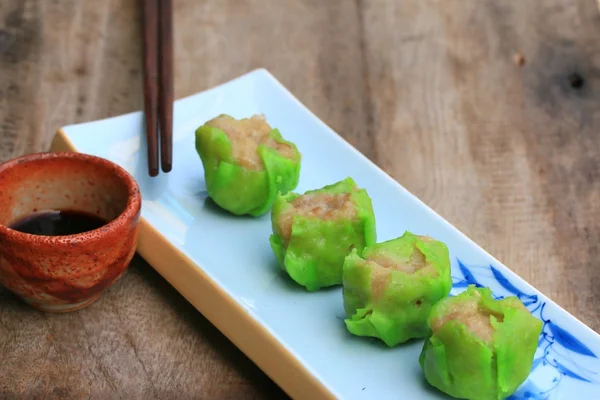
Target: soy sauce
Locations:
point(58, 223)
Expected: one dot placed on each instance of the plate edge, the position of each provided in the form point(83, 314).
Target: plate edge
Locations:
point(253, 339)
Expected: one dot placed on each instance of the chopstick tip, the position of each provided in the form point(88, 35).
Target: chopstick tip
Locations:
point(166, 168)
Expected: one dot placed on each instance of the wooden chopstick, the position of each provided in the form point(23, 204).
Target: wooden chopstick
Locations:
point(158, 83)
point(150, 38)
point(165, 41)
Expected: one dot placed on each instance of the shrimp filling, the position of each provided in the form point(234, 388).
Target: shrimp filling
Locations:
point(323, 206)
point(476, 319)
point(382, 265)
point(246, 135)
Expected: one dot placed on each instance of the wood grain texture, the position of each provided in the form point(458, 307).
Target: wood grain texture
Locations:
point(509, 154)
point(428, 89)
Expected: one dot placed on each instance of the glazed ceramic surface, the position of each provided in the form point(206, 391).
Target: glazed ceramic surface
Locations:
point(224, 265)
point(64, 273)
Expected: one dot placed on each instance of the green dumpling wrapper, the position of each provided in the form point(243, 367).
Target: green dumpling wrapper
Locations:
point(246, 163)
point(314, 232)
point(480, 348)
point(389, 291)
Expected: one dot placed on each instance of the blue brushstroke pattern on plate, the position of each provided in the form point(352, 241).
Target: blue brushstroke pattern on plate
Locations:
point(559, 352)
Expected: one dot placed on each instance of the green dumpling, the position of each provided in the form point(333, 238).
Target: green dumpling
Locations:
point(480, 348)
point(389, 291)
point(246, 163)
point(314, 232)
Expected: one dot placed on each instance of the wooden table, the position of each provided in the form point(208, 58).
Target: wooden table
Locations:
point(489, 111)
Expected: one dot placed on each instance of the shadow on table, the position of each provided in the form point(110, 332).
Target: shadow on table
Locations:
point(228, 351)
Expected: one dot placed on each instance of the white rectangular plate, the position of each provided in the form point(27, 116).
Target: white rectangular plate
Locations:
point(224, 265)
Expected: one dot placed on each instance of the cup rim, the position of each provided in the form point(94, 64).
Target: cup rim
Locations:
point(130, 213)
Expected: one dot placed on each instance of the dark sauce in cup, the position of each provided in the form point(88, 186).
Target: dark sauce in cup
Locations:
point(58, 223)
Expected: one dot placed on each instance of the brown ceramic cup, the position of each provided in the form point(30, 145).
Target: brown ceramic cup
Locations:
point(65, 273)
